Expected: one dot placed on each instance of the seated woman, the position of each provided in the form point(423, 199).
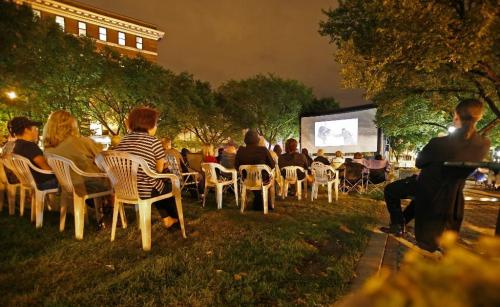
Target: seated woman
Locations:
point(309, 160)
point(142, 124)
point(228, 156)
point(61, 137)
point(207, 151)
point(276, 152)
point(338, 160)
point(321, 157)
point(292, 158)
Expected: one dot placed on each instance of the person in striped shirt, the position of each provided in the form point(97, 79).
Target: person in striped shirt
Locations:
point(142, 124)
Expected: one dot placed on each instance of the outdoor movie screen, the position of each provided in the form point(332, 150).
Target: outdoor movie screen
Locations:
point(349, 132)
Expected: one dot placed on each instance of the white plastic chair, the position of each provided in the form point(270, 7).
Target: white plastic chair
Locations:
point(23, 169)
point(324, 175)
point(121, 168)
point(10, 188)
point(189, 179)
point(253, 181)
point(211, 180)
point(62, 168)
point(292, 178)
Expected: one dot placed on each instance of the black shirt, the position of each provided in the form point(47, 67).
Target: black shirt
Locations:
point(322, 160)
point(30, 150)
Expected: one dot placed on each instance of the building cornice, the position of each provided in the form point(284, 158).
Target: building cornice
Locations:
point(126, 47)
point(63, 9)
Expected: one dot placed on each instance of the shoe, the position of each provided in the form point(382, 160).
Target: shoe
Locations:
point(394, 229)
point(168, 222)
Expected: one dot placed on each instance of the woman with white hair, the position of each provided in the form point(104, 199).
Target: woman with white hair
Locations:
point(320, 157)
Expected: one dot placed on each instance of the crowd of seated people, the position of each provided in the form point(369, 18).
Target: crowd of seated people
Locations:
point(431, 196)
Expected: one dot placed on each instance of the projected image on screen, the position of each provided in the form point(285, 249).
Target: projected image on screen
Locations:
point(342, 132)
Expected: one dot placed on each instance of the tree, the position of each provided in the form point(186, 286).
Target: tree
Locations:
point(125, 84)
point(267, 103)
point(195, 108)
point(320, 106)
point(440, 51)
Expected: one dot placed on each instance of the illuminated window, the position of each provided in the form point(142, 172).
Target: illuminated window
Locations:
point(37, 14)
point(82, 28)
point(121, 38)
point(102, 34)
point(60, 21)
point(138, 42)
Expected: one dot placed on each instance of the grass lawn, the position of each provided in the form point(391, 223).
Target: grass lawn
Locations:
point(301, 253)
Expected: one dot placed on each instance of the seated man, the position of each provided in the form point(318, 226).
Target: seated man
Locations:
point(393, 193)
point(378, 169)
point(26, 132)
point(253, 154)
point(292, 158)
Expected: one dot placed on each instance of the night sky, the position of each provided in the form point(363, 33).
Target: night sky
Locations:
point(218, 40)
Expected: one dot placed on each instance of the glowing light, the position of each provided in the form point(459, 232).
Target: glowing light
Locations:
point(12, 95)
point(467, 198)
point(451, 129)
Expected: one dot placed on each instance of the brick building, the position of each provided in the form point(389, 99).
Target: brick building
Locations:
point(127, 35)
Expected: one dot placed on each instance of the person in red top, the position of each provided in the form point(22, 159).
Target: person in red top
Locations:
point(208, 153)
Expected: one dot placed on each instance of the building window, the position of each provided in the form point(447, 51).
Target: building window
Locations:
point(102, 34)
point(82, 28)
point(37, 14)
point(60, 21)
point(138, 42)
point(121, 38)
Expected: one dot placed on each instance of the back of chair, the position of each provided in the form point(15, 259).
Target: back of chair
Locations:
point(21, 168)
point(291, 172)
point(3, 174)
point(121, 168)
point(377, 175)
point(322, 172)
point(62, 169)
point(353, 171)
point(210, 173)
point(172, 165)
point(252, 174)
point(194, 161)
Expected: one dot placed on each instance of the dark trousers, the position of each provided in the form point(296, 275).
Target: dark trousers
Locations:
point(166, 207)
point(394, 192)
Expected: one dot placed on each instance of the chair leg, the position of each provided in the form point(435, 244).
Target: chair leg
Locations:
point(205, 195)
point(284, 192)
point(235, 183)
point(243, 197)
point(98, 208)
point(305, 188)
point(265, 200)
point(116, 209)
point(33, 206)
point(39, 204)
point(137, 216)
point(62, 213)
point(145, 216)
point(11, 199)
point(273, 195)
point(336, 190)
point(312, 191)
point(299, 189)
point(123, 217)
point(3, 191)
point(79, 212)
point(329, 192)
point(22, 200)
point(219, 190)
point(180, 214)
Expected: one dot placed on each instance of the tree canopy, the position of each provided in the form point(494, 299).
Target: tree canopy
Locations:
point(268, 103)
point(416, 56)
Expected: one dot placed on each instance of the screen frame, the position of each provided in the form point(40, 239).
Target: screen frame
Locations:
point(341, 111)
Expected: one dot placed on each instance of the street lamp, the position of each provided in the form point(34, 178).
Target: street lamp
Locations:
point(12, 95)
